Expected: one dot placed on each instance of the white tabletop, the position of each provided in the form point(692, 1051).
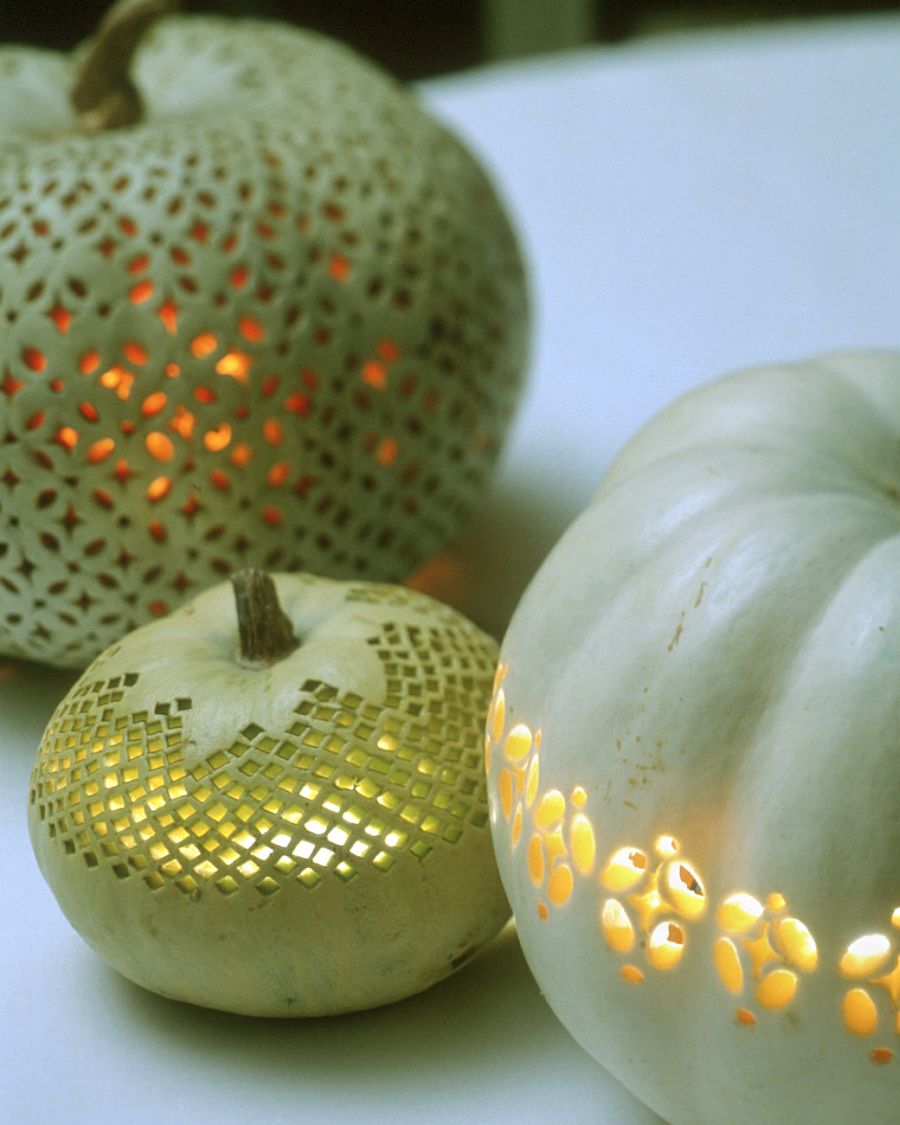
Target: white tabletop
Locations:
point(688, 206)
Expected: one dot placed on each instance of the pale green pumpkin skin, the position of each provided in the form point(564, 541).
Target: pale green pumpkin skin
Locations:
point(306, 839)
point(711, 654)
point(280, 322)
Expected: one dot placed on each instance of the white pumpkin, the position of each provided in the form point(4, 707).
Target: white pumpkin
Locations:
point(259, 309)
point(694, 754)
point(298, 830)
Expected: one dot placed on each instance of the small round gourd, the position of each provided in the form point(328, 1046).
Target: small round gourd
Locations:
point(694, 738)
point(258, 308)
point(280, 811)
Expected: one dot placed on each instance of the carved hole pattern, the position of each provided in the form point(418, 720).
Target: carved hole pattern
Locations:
point(351, 784)
point(293, 343)
point(648, 898)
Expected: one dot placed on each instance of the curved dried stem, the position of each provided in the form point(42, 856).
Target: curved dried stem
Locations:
point(103, 96)
point(266, 633)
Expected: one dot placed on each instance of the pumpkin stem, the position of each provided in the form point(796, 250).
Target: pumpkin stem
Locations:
point(266, 633)
point(104, 97)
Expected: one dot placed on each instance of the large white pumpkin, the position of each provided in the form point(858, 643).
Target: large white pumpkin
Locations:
point(694, 754)
point(277, 320)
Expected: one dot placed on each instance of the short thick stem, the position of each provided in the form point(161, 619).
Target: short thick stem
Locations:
point(266, 633)
point(103, 96)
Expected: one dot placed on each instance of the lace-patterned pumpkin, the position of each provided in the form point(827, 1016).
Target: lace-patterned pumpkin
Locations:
point(277, 811)
point(278, 320)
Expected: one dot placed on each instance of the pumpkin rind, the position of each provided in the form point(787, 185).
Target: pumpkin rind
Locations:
point(279, 322)
point(704, 678)
point(304, 839)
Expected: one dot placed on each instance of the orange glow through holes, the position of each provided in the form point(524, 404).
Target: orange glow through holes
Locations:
point(203, 345)
point(119, 380)
point(298, 403)
point(273, 432)
point(279, 473)
point(386, 453)
point(89, 362)
point(34, 359)
point(168, 315)
point(218, 439)
point(236, 365)
point(67, 437)
point(61, 317)
point(241, 455)
point(251, 329)
point(100, 450)
point(183, 422)
point(375, 374)
point(160, 446)
point(135, 353)
point(339, 268)
point(153, 404)
point(159, 488)
point(141, 292)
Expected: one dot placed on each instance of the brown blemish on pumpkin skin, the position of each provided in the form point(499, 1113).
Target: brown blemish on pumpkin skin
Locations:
point(698, 598)
point(679, 629)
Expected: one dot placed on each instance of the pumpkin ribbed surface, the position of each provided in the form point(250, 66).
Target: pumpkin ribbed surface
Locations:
point(693, 746)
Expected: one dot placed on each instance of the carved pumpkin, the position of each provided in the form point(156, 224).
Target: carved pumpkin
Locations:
point(693, 739)
point(282, 812)
point(258, 309)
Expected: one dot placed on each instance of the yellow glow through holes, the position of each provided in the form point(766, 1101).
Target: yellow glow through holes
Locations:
point(649, 897)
